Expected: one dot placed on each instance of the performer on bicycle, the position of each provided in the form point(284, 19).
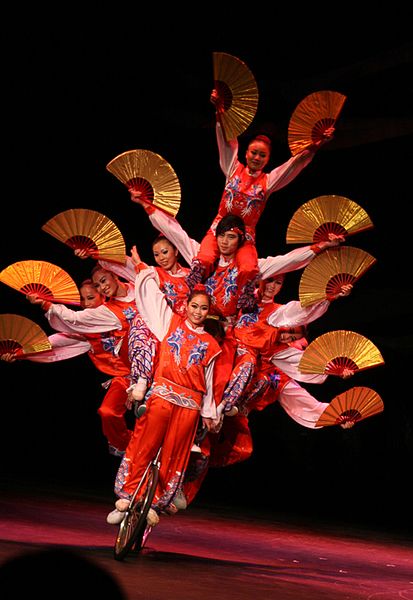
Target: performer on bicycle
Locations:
point(182, 390)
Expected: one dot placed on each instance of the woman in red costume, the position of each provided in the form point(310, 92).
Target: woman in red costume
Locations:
point(106, 329)
point(247, 189)
point(181, 392)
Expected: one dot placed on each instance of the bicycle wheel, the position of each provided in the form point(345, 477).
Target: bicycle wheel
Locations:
point(134, 530)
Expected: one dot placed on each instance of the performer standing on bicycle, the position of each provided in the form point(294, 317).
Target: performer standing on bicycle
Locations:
point(182, 390)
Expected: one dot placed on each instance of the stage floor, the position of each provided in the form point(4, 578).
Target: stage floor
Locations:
point(214, 552)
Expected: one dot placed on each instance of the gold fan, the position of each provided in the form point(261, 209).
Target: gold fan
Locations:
point(335, 351)
point(20, 333)
point(45, 279)
point(237, 93)
point(356, 404)
point(152, 175)
point(80, 228)
point(329, 270)
point(318, 217)
point(310, 119)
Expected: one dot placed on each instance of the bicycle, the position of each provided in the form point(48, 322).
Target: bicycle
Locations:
point(134, 529)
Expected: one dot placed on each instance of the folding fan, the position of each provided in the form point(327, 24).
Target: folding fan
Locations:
point(313, 115)
point(334, 267)
point(318, 217)
point(20, 333)
point(47, 280)
point(356, 404)
point(80, 228)
point(237, 92)
point(335, 351)
point(150, 174)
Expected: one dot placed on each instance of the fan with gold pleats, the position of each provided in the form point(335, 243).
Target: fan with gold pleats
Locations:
point(237, 94)
point(315, 219)
point(356, 404)
point(45, 279)
point(313, 115)
point(88, 230)
point(334, 267)
point(335, 351)
point(18, 333)
point(150, 174)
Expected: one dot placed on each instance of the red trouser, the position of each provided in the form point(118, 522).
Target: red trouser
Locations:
point(164, 424)
point(112, 412)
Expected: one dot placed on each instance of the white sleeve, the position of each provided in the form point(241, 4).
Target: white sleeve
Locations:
point(208, 408)
point(126, 271)
point(171, 229)
point(151, 303)
point(300, 405)
point(285, 263)
point(228, 151)
point(293, 314)
point(287, 360)
point(64, 346)
point(88, 320)
point(285, 173)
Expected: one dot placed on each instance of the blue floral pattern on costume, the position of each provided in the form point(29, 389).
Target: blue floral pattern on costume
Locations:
point(109, 343)
point(175, 342)
point(197, 353)
point(248, 319)
point(129, 313)
point(210, 287)
point(171, 295)
point(230, 284)
point(242, 202)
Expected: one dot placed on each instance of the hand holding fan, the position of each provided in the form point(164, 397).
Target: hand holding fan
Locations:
point(336, 351)
point(89, 231)
point(48, 281)
point(328, 271)
point(311, 119)
point(316, 219)
point(151, 175)
point(356, 404)
point(237, 94)
point(21, 335)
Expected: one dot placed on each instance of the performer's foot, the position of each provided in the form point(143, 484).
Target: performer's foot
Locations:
point(152, 518)
point(122, 504)
point(180, 500)
point(115, 517)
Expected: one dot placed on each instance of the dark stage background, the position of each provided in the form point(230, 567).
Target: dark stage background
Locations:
point(76, 96)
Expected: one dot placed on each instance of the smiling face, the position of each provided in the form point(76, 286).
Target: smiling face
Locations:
point(271, 287)
point(257, 155)
point(165, 254)
point(107, 284)
point(89, 296)
point(197, 309)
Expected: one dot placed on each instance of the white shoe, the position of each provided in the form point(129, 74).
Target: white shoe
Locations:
point(152, 518)
point(115, 517)
point(180, 501)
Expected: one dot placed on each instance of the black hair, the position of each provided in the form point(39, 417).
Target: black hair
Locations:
point(162, 238)
point(215, 327)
